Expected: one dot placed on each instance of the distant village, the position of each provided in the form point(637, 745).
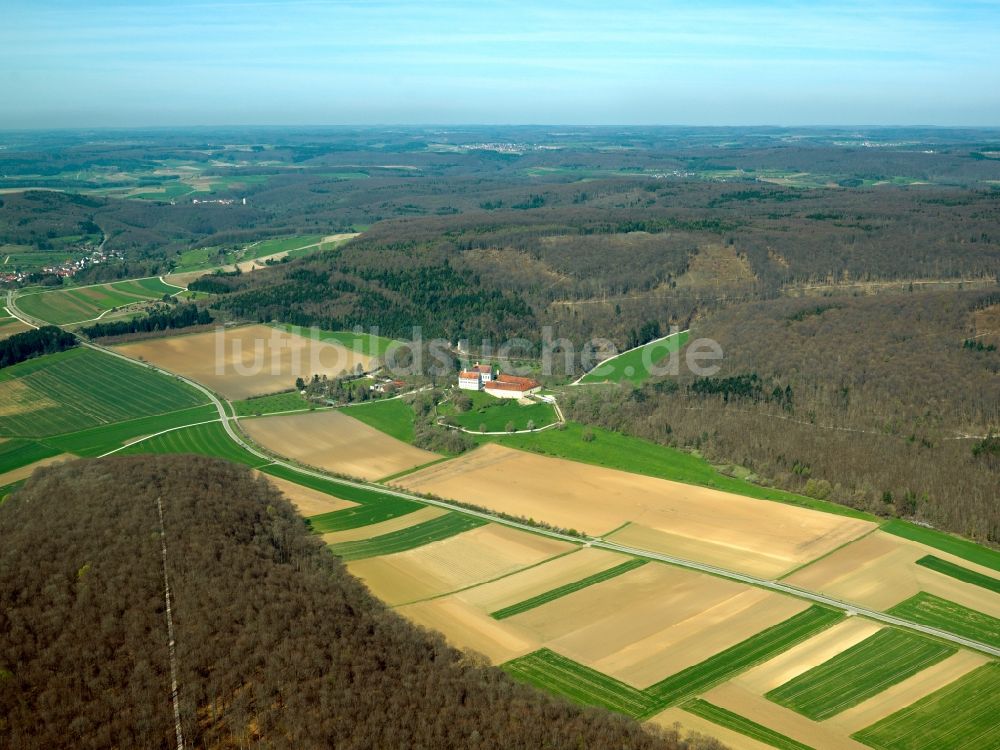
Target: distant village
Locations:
point(65, 269)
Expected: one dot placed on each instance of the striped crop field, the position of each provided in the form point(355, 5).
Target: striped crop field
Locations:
point(863, 670)
point(959, 573)
point(927, 609)
point(741, 724)
point(577, 682)
point(434, 530)
point(989, 558)
point(80, 388)
point(754, 650)
point(376, 511)
point(96, 441)
point(63, 306)
point(206, 440)
point(959, 716)
point(549, 671)
point(17, 453)
point(565, 589)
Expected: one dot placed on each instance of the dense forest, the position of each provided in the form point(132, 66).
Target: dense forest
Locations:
point(44, 340)
point(276, 645)
point(871, 401)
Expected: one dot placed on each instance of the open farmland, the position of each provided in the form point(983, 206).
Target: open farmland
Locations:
point(246, 361)
point(368, 344)
point(637, 365)
point(928, 609)
point(333, 441)
point(445, 554)
point(762, 538)
point(676, 716)
point(81, 388)
point(960, 716)
point(383, 528)
point(392, 416)
point(552, 671)
point(84, 303)
point(858, 673)
point(307, 500)
point(17, 453)
point(206, 440)
point(10, 325)
point(882, 569)
point(742, 725)
point(566, 589)
point(417, 535)
point(959, 573)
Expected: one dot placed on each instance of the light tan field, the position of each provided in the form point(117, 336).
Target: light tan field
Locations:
point(808, 654)
point(691, 723)
point(307, 501)
point(467, 627)
point(907, 692)
point(475, 556)
point(10, 326)
point(16, 475)
point(880, 571)
point(537, 580)
point(246, 361)
point(385, 527)
point(820, 736)
point(16, 397)
point(333, 441)
point(754, 536)
point(653, 621)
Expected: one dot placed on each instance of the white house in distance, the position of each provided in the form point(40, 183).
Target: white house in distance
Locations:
point(481, 378)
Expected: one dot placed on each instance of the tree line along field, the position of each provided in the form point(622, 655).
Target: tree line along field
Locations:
point(63, 306)
point(80, 388)
point(860, 672)
point(369, 344)
point(639, 364)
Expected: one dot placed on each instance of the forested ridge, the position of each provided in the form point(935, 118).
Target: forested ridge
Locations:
point(276, 645)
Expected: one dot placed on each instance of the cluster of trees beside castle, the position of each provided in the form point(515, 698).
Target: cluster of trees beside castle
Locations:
point(276, 644)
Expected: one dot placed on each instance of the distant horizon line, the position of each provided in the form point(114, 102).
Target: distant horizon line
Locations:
point(454, 126)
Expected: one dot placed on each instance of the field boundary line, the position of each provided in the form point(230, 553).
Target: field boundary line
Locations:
point(157, 434)
point(622, 354)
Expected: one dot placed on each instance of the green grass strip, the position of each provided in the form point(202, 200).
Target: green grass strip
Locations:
point(549, 671)
point(741, 724)
point(754, 650)
point(17, 453)
point(927, 609)
point(418, 535)
point(565, 589)
point(862, 671)
point(960, 716)
point(949, 543)
point(960, 573)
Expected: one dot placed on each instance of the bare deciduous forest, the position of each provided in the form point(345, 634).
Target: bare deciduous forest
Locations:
point(277, 646)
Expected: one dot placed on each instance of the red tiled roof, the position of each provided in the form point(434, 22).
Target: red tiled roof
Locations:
point(482, 368)
point(515, 380)
point(467, 374)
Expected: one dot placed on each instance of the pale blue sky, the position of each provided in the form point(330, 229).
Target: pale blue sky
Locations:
point(100, 62)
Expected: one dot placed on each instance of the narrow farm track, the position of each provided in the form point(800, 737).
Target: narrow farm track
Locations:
point(778, 586)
